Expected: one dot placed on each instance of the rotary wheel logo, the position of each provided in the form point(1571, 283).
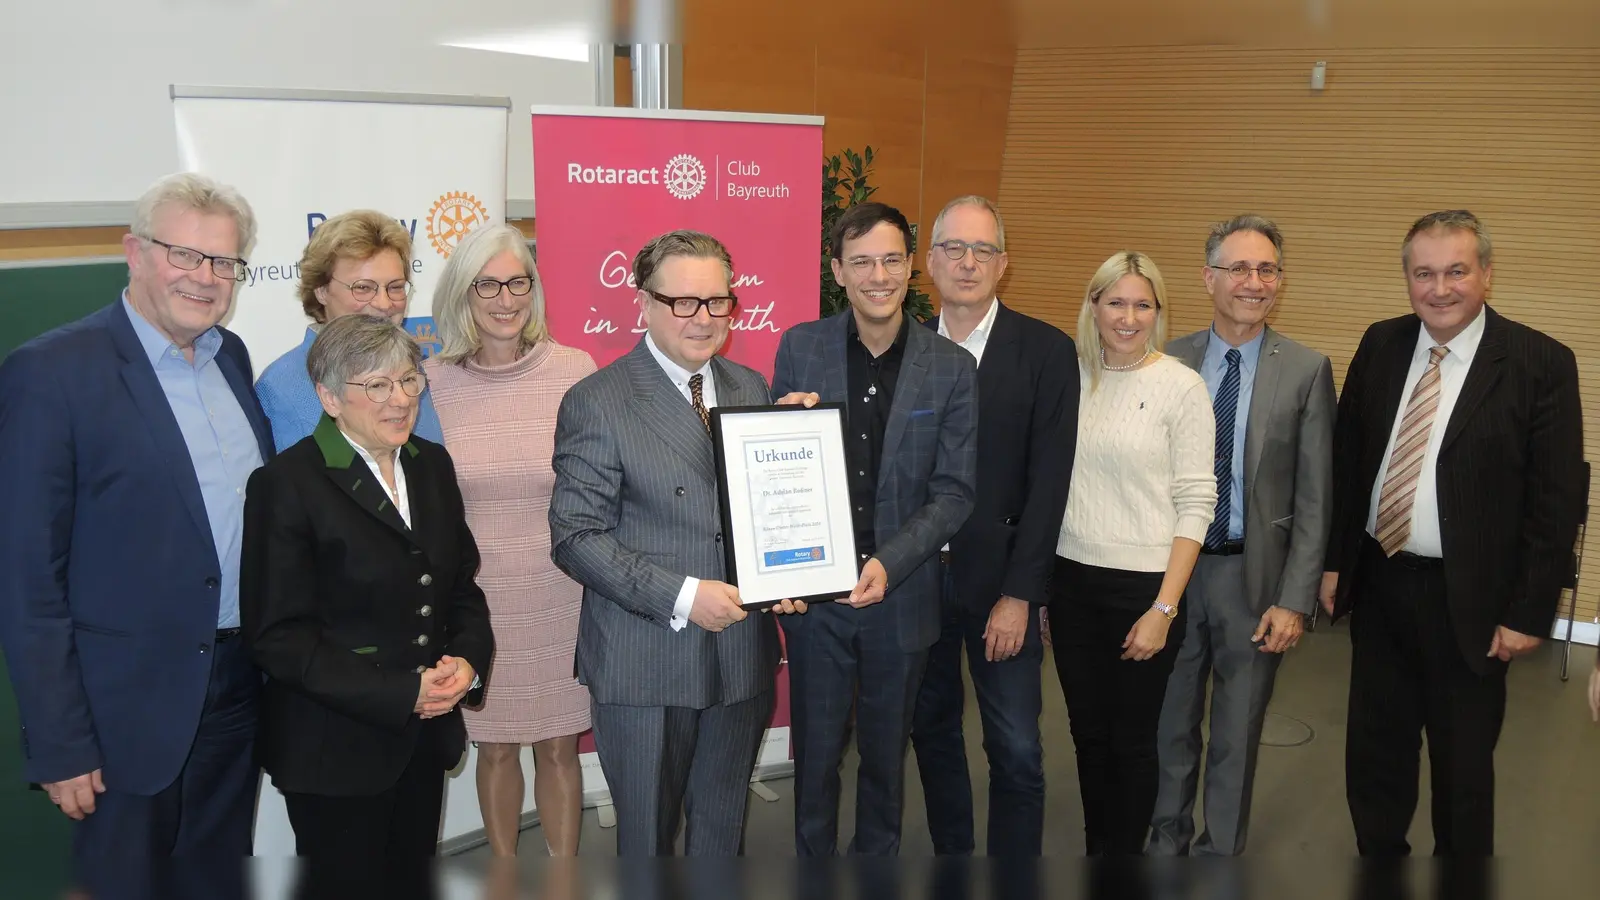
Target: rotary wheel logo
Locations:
point(685, 177)
point(451, 218)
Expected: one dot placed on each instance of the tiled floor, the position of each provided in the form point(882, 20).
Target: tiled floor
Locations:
point(1301, 842)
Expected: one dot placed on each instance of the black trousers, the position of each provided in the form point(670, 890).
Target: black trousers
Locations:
point(1407, 676)
point(1009, 701)
point(1114, 704)
point(371, 846)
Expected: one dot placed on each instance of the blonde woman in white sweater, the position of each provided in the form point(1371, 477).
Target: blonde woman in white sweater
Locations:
point(1143, 492)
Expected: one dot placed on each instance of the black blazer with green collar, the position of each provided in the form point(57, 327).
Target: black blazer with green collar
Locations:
point(343, 606)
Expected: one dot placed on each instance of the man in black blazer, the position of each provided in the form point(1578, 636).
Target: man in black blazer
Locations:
point(994, 570)
point(1458, 479)
point(911, 444)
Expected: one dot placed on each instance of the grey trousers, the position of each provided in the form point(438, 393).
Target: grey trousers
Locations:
point(1217, 647)
point(671, 765)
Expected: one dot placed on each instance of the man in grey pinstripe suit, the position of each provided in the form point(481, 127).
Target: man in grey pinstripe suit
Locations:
point(911, 442)
point(680, 677)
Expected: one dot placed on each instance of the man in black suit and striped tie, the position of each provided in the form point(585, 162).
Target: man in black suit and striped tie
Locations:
point(1458, 480)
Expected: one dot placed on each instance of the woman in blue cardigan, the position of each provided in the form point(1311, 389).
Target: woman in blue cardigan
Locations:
point(355, 262)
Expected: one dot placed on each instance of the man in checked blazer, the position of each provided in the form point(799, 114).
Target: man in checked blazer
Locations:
point(1261, 561)
point(1458, 482)
point(911, 444)
point(681, 679)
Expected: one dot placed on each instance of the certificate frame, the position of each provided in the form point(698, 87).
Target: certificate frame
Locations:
point(797, 541)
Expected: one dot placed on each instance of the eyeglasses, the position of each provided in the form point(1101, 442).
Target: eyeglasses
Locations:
point(958, 250)
point(689, 307)
point(228, 268)
point(893, 263)
point(489, 288)
point(366, 291)
point(378, 389)
point(1241, 271)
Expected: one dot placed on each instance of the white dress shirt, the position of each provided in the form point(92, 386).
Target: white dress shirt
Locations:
point(398, 496)
point(679, 376)
point(1425, 539)
point(979, 338)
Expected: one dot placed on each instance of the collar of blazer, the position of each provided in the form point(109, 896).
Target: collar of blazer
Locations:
point(1191, 351)
point(664, 410)
point(1482, 375)
point(360, 482)
point(335, 447)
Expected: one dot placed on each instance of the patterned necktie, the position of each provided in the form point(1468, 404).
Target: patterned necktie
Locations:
point(1405, 463)
point(697, 397)
point(1226, 406)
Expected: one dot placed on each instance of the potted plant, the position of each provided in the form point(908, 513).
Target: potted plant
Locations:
point(848, 173)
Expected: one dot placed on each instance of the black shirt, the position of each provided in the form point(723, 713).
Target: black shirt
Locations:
point(871, 382)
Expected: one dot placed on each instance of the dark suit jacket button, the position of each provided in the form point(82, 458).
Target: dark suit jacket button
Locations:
point(211, 582)
point(421, 641)
point(204, 648)
point(719, 538)
point(425, 610)
point(679, 492)
point(425, 580)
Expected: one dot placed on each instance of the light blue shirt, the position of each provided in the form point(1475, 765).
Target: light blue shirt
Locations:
point(1212, 368)
point(290, 400)
point(222, 445)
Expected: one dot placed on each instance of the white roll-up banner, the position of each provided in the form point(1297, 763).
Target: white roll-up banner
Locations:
point(437, 164)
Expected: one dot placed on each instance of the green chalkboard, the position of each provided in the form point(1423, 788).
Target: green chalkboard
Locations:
point(35, 840)
point(35, 299)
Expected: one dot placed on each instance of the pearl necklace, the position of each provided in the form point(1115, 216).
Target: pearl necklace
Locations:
point(1133, 365)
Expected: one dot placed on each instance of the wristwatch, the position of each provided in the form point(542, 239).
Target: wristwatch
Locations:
point(1170, 612)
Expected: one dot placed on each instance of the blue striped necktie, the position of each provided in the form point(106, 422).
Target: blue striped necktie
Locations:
point(1226, 404)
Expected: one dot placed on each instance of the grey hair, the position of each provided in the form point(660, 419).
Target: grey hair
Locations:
point(693, 244)
point(452, 300)
point(1248, 222)
point(200, 193)
point(1451, 220)
point(351, 345)
point(980, 202)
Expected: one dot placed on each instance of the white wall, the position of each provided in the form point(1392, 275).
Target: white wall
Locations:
point(84, 108)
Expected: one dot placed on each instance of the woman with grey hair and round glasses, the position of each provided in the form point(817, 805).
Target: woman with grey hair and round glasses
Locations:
point(497, 385)
point(360, 605)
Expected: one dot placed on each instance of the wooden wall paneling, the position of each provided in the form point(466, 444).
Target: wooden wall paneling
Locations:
point(1144, 149)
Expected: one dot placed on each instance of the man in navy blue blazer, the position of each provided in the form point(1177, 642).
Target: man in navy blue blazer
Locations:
point(126, 440)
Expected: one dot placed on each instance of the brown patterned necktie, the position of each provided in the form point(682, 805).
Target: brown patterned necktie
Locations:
point(697, 397)
point(1405, 463)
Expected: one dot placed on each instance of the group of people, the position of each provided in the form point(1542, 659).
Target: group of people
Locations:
point(344, 571)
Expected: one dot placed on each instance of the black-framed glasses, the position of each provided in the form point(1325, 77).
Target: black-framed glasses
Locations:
point(981, 251)
point(379, 389)
point(228, 268)
point(689, 307)
point(489, 288)
point(366, 290)
point(1267, 272)
point(893, 263)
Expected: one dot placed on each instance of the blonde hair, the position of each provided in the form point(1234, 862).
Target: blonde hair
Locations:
point(452, 301)
point(1121, 264)
point(359, 234)
point(203, 194)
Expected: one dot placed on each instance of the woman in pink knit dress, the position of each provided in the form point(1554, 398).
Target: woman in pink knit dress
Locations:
point(497, 384)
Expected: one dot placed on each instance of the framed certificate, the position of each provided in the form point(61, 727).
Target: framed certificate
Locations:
point(785, 502)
